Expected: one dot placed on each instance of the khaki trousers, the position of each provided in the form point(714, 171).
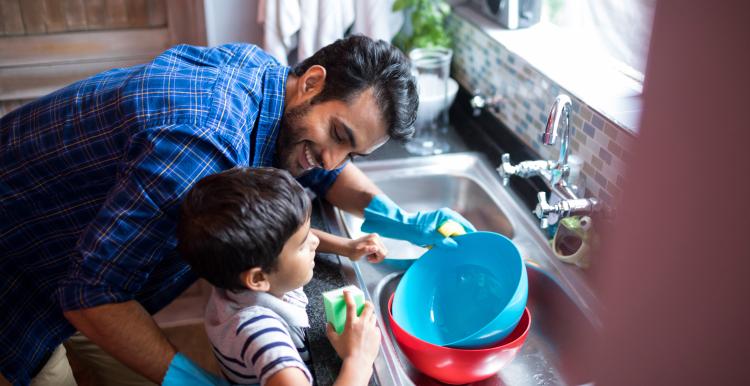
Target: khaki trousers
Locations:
point(92, 366)
point(56, 371)
point(104, 369)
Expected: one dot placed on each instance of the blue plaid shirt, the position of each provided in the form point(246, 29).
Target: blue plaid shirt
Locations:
point(91, 177)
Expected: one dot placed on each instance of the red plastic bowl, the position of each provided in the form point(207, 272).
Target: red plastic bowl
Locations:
point(458, 366)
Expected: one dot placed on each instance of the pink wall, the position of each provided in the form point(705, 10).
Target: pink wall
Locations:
point(675, 276)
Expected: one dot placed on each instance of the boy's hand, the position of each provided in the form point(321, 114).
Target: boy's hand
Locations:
point(369, 245)
point(360, 340)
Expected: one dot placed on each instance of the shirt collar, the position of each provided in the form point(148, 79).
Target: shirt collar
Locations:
point(295, 315)
point(269, 116)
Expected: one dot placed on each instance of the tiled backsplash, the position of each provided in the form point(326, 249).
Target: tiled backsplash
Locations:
point(480, 62)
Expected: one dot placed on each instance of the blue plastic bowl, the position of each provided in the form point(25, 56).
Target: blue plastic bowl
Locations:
point(468, 297)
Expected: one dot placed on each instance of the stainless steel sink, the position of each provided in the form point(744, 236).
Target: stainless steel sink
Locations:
point(559, 299)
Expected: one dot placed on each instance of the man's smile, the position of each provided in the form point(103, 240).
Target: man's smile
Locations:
point(307, 159)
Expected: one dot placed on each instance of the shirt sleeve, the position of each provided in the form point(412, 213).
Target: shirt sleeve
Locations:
point(320, 180)
point(268, 348)
point(135, 227)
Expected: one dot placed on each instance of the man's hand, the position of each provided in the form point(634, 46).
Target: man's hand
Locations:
point(369, 245)
point(421, 228)
point(182, 371)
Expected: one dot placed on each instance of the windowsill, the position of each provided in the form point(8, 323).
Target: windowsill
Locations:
point(584, 74)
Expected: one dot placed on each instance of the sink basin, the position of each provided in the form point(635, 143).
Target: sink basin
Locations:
point(559, 299)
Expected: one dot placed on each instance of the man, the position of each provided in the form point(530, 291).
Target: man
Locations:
point(91, 177)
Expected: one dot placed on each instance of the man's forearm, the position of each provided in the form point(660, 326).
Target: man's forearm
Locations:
point(352, 191)
point(128, 333)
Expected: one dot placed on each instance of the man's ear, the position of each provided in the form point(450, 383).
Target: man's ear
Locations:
point(312, 81)
point(255, 279)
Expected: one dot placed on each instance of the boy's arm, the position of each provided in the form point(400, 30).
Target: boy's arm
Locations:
point(351, 374)
point(330, 243)
point(290, 376)
point(368, 245)
point(354, 372)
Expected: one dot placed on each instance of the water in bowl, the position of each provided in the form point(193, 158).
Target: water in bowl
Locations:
point(467, 299)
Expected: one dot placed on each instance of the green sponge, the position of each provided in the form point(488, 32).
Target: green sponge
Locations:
point(335, 305)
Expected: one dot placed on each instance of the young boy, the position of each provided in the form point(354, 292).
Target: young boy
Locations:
point(247, 231)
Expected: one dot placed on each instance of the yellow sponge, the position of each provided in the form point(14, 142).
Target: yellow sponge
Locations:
point(335, 306)
point(451, 228)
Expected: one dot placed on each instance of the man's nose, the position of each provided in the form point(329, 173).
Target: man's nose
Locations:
point(333, 157)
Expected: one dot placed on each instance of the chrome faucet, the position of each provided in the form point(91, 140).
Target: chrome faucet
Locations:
point(559, 116)
point(554, 174)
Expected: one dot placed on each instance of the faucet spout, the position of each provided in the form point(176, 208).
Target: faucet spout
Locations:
point(558, 124)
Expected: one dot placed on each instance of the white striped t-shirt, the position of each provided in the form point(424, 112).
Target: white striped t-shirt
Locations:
point(255, 334)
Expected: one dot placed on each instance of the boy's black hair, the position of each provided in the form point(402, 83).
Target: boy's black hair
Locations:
point(239, 219)
point(356, 63)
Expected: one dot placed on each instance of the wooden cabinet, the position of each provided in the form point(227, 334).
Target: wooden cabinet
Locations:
point(47, 44)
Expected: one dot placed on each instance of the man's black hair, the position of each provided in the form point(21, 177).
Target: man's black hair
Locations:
point(356, 63)
point(239, 219)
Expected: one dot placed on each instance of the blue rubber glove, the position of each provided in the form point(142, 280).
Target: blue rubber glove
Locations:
point(182, 371)
point(384, 217)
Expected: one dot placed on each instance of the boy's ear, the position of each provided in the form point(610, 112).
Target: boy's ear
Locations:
point(255, 279)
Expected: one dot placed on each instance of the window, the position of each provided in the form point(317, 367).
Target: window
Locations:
point(619, 29)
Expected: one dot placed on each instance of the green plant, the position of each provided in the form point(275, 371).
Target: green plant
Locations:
point(427, 24)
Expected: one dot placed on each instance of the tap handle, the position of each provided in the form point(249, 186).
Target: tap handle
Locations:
point(542, 209)
point(477, 102)
point(506, 168)
point(480, 100)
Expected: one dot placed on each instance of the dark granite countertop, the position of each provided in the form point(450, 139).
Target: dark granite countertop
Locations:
point(326, 276)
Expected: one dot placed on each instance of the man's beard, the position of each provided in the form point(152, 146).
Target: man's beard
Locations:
point(289, 135)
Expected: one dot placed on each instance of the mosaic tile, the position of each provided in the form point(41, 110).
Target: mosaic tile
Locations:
point(540, 103)
point(599, 177)
point(604, 196)
point(597, 121)
point(589, 130)
point(589, 169)
point(585, 112)
point(597, 163)
point(576, 121)
point(614, 148)
point(576, 106)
